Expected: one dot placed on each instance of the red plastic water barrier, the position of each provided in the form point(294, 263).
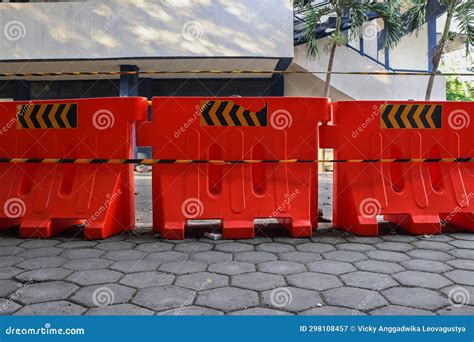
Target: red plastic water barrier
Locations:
point(237, 194)
point(45, 199)
point(420, 197)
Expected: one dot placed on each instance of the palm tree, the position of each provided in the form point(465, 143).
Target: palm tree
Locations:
point(358, 13)
point(460, 10)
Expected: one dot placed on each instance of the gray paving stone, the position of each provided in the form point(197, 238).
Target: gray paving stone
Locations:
point(8, 241)
point(202, 281)
point(399, 238)
point(379, 266)
point(421, 279)
point(419, 298)
point(396, 310)
point(314, 281)
point(463, 236)
point(211, 257)
point(332, 240)
point(315, 247)
point(331, 267)
point(227, 299)
point(291, 299)
point(9, 272)
point(355, 247)
point(368, 280)
point(10, 260)
point(259, 312)
point(257, 281)
point(354, 298)
point(232, 267)
point(255, 257)
point(44, 274)
point(462, 277)
point(460, 294)
point(300, 257)
point(462, 253)
point(462, 311)
point(7, 306)
point(255, 241)
point(433, 245)
point(102, 295)
point(388, 256)
point(331, 311)
point(37, 263)
point(194, 247)
point(8, 251)
point(115, 245)
point(191, 311)
point(164, 297)
point(347, 256)
point(394, 246)
point(157, 246)
point(87, 264)
point(462, 263)
point(41, 252)
point(37, 243)
point(124, 255)
point(426, 265)
point(167, 257)
point(132, 266)
point(183, 267)
point(275, 248)
point(440, 238)
point(82, 253)
point(143, 280)
point(465, 244)
point(7, 287)
point(94, 277)
point(281, 267)
point(77, 244)
point(363, 239)
point(429, 255)
point(44, 292)
point(56, 308)
point(234, 247)
point(120, 310)
point(291, 240)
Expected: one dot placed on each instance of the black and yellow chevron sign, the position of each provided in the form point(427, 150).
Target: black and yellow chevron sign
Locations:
point(52, 115)
point(227, 113)
point(411, 116)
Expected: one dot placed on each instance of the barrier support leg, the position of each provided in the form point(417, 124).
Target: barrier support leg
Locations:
point(417, 224)
point(238, 229)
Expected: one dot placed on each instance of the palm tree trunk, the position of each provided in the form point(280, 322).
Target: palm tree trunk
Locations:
point(332, 53)
point(437, 54)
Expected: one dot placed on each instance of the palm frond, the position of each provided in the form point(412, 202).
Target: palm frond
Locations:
point(311, 22)
point(357, 12)
point(464, 15)
point(416, 15)
point(393, 23)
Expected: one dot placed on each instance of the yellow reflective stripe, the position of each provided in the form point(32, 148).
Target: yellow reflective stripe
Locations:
point(64, 115)
point(212, 113)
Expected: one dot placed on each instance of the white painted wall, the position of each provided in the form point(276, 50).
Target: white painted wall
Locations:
point(367, 87)
point(146, 28)
point(411, 52)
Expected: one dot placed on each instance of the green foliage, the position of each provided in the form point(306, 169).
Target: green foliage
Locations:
point(458, 90)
